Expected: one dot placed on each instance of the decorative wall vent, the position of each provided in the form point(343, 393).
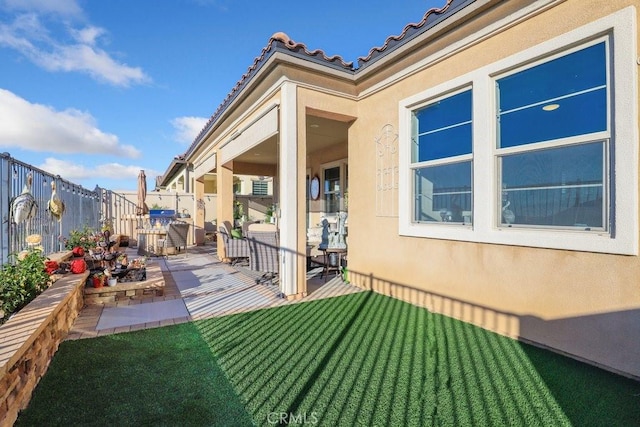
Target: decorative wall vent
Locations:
point(387, 172)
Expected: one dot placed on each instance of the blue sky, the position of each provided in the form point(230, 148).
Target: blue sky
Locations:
point(97, 90)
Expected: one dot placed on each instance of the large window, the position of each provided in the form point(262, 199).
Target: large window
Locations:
point(441, 160)
point(537, 149)
point(552, 121)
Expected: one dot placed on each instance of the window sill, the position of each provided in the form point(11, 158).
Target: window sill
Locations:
point(574, 240)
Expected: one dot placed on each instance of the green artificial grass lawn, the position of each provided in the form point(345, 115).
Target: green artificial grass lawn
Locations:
point(163, 376)
point(362, 359)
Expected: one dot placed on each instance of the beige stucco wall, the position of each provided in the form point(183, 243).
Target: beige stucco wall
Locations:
point(584, 304)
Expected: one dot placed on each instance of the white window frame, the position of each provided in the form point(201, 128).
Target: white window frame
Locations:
point(342, 164)
point(603, 137)
point(414, 166)
point(622, 237)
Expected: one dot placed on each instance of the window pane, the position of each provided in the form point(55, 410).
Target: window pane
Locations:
point(332, 179)
point(332, 190)
point(555, 187)
point(443, 128)
point(260, 188)
point(443, 193)
point(529, 110)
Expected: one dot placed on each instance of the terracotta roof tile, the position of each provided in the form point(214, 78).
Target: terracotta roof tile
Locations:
point(280, 42)
point(408, 30)
point(277, 39)
point(296, 47)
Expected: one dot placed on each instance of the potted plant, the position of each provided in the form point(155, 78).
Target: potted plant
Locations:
point(84, 237)
point(268, 215)
point(110, 279)
point(97, 279)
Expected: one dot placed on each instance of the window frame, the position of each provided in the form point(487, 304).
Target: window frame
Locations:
point(442, 161)
point(621, 235)
point(603, 137)
point(342, 165)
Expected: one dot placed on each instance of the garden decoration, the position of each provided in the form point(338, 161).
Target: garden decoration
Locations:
point(23, 206)
point(97, 279)
point(56, 205)
point(78, 251)
point(78, 266)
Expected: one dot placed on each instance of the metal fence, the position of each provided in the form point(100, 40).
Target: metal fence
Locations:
point(83, 207)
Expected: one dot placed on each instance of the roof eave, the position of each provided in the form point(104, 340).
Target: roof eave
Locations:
point(277, 51)
point(176, 165)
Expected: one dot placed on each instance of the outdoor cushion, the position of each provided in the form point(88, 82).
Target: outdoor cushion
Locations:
point(236, 234)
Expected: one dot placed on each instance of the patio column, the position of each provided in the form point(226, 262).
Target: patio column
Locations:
point(198, 209)
point(289, 178)
point(224, 206)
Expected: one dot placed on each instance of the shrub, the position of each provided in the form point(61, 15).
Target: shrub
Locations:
point(21, 282)
point(84, 237)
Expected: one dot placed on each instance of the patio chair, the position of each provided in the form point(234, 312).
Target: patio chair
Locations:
point(264, 247)
point(237, 250)
point(245, 226)
point(177, 233)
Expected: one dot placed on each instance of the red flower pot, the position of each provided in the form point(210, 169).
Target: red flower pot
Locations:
point(97, 282)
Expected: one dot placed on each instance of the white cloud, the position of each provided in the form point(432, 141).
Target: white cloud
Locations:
point(87, 35)
point(75, 172)
point(37, 127)
point(80, 53)
point(187, 128)
point(95, 62)
point(58, 7)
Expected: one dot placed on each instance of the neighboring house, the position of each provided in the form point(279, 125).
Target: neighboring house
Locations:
point(489, 155)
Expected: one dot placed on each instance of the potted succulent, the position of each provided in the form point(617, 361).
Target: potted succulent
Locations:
point(111, 280)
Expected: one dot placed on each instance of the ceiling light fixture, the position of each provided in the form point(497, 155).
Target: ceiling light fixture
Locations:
point(551, 107)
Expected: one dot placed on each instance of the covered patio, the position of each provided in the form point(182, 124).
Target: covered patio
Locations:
point(289, 137)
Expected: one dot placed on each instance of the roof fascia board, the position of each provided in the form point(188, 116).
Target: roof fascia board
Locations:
point(174, 168)
point(288, 58)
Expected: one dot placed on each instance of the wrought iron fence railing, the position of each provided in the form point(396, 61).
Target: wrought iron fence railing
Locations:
point(83, 207)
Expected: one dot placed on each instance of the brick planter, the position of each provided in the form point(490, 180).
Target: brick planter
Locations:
point(29, 340)
point(153, 286)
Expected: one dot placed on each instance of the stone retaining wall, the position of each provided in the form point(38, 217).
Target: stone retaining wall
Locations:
point(29, 340)
point(153, 286)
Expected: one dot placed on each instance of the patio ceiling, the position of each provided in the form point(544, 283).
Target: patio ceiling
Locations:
point(321, 134)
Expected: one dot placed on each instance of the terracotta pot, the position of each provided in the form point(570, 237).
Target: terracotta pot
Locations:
point(97, 282)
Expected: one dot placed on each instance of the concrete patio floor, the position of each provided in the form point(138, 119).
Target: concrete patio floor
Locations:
point(197, 286)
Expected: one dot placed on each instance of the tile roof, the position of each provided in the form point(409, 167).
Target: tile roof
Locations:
point(277, 42)
point(300, 47)
point(410, 31)
point(280, 42)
